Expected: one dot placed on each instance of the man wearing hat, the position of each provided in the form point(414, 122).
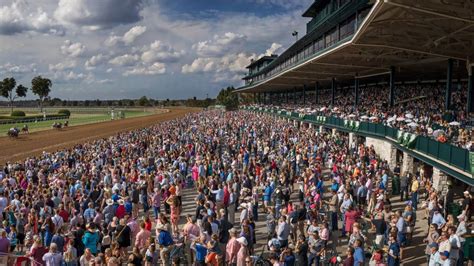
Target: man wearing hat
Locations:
point(200, 248)
point(435, 258)
point(445, 260)
point(232, 248)
point(243, 253)
point(109, 211)
point(165, 241)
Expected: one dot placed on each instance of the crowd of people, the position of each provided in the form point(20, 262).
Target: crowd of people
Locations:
point(419, 108)
point(122, 200)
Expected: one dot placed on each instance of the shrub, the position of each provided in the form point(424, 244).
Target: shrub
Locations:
point(64, 112)
point(18, 113)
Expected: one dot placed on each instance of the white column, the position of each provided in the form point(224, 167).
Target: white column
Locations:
point(393, 157)
point(351, 139)
point(440, 181)
point(321, 129)
point(407, 164)
point(334, 132)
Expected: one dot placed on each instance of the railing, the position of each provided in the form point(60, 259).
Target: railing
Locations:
point(447, 153)
point(31, 120)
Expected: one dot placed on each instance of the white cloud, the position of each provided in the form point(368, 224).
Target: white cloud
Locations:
point(104, 81)
point(220, 45)
point(160, 52)
point(18, 18)
point(200, 65)
point(128, 38)
point(109, 70)
point(69, 75)
point(155, 69)
point(229, 67)
point(99, 14)
point(10, 69)
point(276, 48)
point(96, 60)
point(72, 76)
point(125, 60)
point(72, 49)
point(234, 63)
point(62, 66)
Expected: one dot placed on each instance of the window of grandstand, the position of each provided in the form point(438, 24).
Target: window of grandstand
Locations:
point(331, 37)
point(347, 27)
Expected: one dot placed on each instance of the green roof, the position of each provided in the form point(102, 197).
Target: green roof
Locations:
point(313, 10)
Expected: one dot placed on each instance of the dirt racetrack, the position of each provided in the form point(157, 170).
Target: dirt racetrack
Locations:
point(53, 140)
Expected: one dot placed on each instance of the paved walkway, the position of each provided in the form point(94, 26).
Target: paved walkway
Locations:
point(413, 255)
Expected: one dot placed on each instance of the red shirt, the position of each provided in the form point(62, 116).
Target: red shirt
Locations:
point(148, 224)
point(120, 212)
point(64, 215)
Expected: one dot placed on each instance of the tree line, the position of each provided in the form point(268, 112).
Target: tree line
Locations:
point(40, 86)
point(229, 98)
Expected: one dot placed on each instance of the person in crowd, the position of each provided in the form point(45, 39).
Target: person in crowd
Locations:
point(91, 201)
point(53, 257)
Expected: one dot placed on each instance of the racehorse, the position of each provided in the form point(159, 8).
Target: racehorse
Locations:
point(66, 124)
point(57, 125)
point(13, 132)
point(25, 129)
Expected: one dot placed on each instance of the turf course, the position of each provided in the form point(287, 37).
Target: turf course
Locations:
point(79, 116)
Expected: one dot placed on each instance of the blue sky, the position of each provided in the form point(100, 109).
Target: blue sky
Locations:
point(113, 49)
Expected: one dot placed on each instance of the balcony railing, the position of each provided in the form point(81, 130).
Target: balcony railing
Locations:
point(454, 156)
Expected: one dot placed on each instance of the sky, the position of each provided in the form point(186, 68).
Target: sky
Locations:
point(114, 49)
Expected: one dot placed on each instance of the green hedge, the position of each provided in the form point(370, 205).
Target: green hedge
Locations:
point(64, 112)
point(8, 119)
point(18, 113)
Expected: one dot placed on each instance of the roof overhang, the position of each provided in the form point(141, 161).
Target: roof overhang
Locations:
point(415, 37)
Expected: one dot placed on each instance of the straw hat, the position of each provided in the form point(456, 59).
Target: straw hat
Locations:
point(242, 240)
point(160, 227)
point(109, 202)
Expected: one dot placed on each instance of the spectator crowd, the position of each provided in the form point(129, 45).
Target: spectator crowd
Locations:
point(419, 108)
point(124, 200)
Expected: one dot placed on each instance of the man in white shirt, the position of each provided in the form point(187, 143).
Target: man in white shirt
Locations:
point(57, 220)
point(3, 204)
point(53, 258)
point(435, 258)
point(455, 245)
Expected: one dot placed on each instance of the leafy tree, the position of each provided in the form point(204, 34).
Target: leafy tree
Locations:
point(98, 102)
point(143, 101)
point(87, 103)
point(75, 103)
point(131, 103)
point(228, 98)
point(41, 87)
point(55, 102)
point(7, 90)
point(119, 103)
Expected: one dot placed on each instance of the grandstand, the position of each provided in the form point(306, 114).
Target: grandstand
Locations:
point(373, 63)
